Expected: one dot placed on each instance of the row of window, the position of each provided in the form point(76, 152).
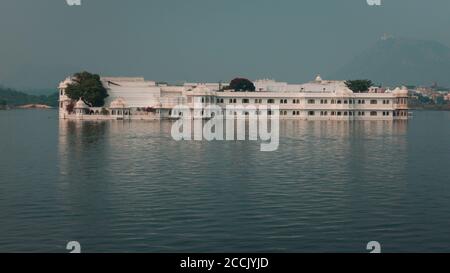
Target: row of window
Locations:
point(347, 113)
point(297, 101)
point(312, 113)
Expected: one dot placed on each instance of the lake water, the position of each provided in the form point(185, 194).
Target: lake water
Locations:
point(128, 187)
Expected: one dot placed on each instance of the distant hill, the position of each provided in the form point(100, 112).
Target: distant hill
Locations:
point(13, 98)
point(396, 61)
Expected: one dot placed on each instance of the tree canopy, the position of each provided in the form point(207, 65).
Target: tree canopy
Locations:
point(87, 87)
point(241, 85)
point(359, 86)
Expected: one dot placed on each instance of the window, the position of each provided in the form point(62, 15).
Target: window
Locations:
point(311, 113)
point(373, 102)
point(245, 101)
point(373, 113)
point(311, 101)
point(270, 101)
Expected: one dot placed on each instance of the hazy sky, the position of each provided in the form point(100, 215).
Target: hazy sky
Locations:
point(42, 41)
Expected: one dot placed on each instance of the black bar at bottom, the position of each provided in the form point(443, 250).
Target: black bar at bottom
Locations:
point(219, 262)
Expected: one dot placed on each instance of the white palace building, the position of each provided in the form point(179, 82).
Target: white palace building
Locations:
point(138, 99)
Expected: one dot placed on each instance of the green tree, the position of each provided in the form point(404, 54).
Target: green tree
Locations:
point(440, 100)
point(241, 84)
point(359, 86)
point(89, 88)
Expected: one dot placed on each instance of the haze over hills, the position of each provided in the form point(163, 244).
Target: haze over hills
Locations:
point(397, 61)
point(11, 97)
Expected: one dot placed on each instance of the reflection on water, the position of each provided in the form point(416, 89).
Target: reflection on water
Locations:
point(128, 186)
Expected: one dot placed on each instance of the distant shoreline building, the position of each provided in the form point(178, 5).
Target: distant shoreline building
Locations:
point(138, 99)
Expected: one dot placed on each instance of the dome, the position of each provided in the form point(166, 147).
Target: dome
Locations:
point(80, 104)
point(403, 91)
point(118, 103)
point(318, 78)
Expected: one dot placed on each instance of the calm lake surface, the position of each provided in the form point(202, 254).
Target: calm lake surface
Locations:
point(128, 187)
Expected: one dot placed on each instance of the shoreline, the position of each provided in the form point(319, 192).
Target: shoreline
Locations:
point(27, 107)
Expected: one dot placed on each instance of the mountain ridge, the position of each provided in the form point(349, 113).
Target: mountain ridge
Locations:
point(401, 61)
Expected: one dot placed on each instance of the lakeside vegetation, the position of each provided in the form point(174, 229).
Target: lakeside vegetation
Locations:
point(87, 87)
point(11, 98)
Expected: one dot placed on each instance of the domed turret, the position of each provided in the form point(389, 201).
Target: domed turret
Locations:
point(80, 104)
point(80, 107)
point(118, 103)
point(119, 108)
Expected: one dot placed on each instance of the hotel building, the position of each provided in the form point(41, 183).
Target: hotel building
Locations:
point(138, 99)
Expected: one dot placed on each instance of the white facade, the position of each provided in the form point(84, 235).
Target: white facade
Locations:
point(317, 100)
